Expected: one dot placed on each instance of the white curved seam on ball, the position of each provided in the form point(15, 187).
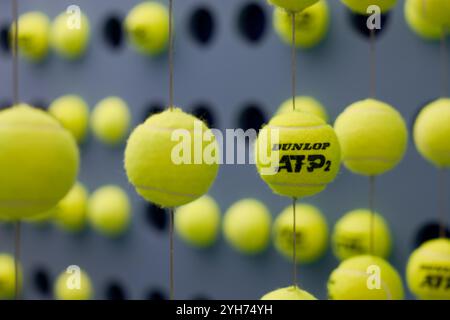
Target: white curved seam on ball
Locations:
point(173, 193)
point(361, 273)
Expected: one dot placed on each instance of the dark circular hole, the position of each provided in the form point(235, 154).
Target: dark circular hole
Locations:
point(5, 44)
point(5, 104)
point(204, 112)
point(41, 281)
point(153, 108)
point(416, 114)
point(359, 24)
point(252, 22)
point(115, 291)
point(113, 32)
point(428, 231)
point(155, 294)
point(40, 104)
point(156, 216)
point(251, 117)
point(202, 26)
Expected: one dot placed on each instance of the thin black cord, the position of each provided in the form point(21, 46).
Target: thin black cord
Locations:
point(171, 263)
point(372, 64)
point(372, 214)
point(294, 243)
point(171, 49)
point(294, 62)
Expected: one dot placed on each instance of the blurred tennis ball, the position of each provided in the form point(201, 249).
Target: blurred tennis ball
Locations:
point(8, 277)
point(360, 6)
point(304, 104)
point(73, 284)
point(293, 5)
point(438, 12)
point(289, 293)
point(71, 212)
point(418, 22)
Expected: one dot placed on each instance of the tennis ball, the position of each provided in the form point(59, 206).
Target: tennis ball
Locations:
point(360, 6)
point(438, 12)
point(428, 270)
point(432, 132)
point(352, 235)
point(71, 212)
point(38, 162)
point(305, 104)
point(147, 26)
point(311, 25)
point(373, 137)
point(33, 36)
point(109, 210)
point(198, 222)
point(73, 114)
point(297, 154)
point(246, 226)
point(311, 233)
point(417, 21)
point(293, 5)
point(70, 34)
point(289, 293)
point(110, 120)
point(73, 285)
point(365, 277)
point(167, 159)
point(8, 277)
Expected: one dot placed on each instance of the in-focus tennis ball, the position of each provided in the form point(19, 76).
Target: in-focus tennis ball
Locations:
point(110, 120)
point(73, 113)
point(70, 34)
point(432, 132)
point(311, 25)
point(168, 162)
point(147, 26)
point(365, 278)
point(352, 235)
point(71, 212)
point(246, 226)
point(417, 21)
point(428, 270)
point(198, 222)
point(293, 5)
point(360, 6)
point(8, 277)
point(74, 285)
point(38, 162)
point(305, 104)
point(33, 36)
point(109, 210)
point(373, 137)
point(297, 154)
point(438, 12)
point(311, 233)
point(289, 293)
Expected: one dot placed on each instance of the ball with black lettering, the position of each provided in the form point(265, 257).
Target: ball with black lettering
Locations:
point(297, 154)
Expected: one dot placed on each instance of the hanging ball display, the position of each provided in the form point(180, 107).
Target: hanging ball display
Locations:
point(297, 154)
point(147, 26)
point(438, 12)
point(432, 132)
point(289, 293)
point(73, 286)
point(373, 137)
point(157, 166)
point(8, 277)
point(419, 23)
point(293, 5)
point(352, 235)
point(428, 270)
point(311, 25)
point(71, 212)
point(360, 6)
point(311, 233)
point(365, 277)
point(38, 162)
point(305, 104)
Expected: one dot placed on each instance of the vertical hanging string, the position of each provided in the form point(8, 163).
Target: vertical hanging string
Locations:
point(171, 277)
point(17, 236)
point(294, 243)
point(442, 202)
point(293, 62)
point(444, 59)
point(372, 214)
point(171, 49)
point(372, 64)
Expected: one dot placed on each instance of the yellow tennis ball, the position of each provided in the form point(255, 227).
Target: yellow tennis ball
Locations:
point(293, 5)
point(311, 233)
point(246, 226)
point(171, 158)
point(289, 293)
point(311, 25)
point(352, 235)
point(147, 26)
point(8, 277)
point(73, 113)
point(297, 154)
point(73, 284)
point(360, 6)
point(70, 34)
point(33, 36)
point(71, 212)
point(109, 210)
point(373, 137)
point(305, 104)
point(365, 277)
point(432, 132)
point(417, 21)
point(198, 222)
point(38, 162)
point(110, 120)
point(438, 12)
point(428, 270)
